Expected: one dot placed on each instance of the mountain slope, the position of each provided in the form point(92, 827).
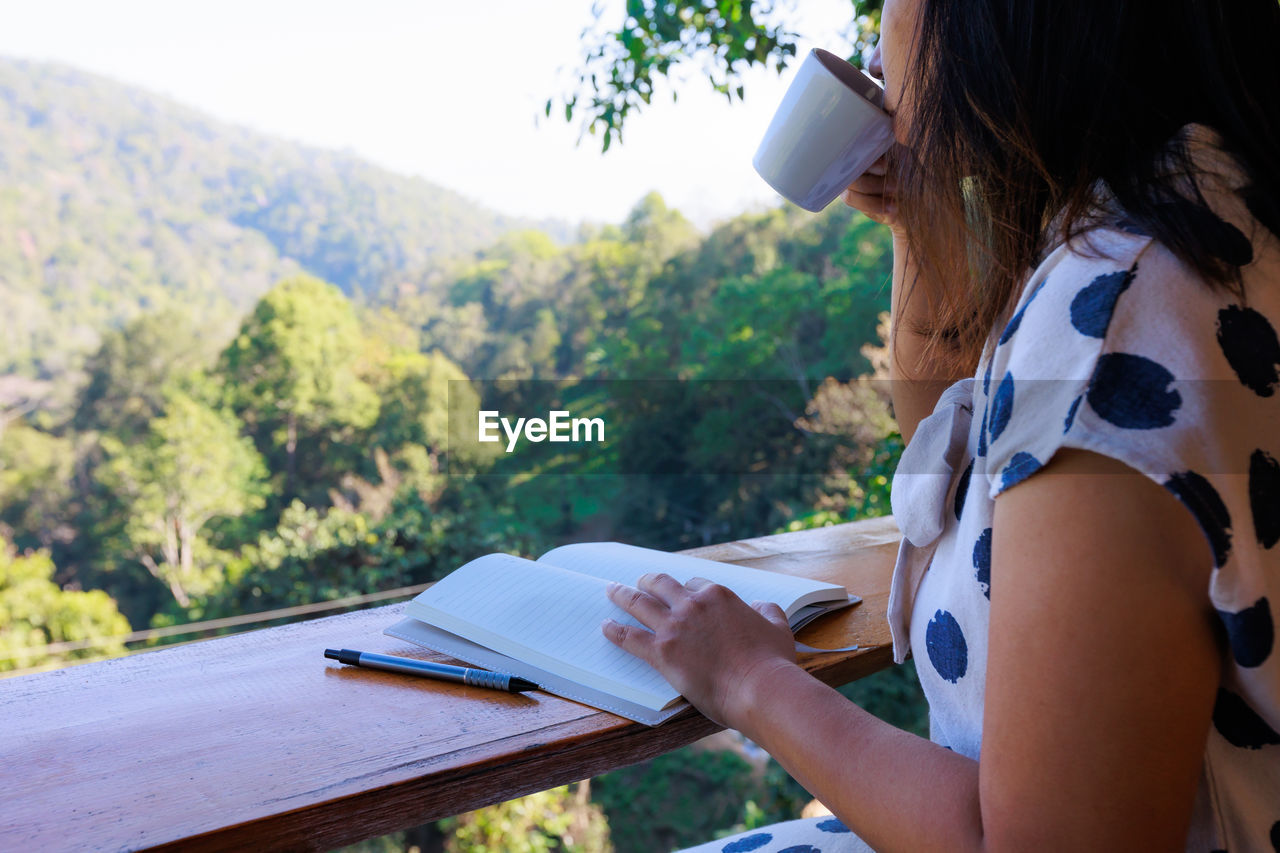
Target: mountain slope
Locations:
point(114, 201)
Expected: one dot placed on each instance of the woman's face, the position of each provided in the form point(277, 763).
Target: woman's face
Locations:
point(892, 56)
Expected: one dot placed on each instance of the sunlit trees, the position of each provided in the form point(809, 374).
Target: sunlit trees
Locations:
point(423, 397)
point(35, 482)
point(192, 467)
point(292, 377)
point(561, 818)
point(36, 612)
point(133, 367)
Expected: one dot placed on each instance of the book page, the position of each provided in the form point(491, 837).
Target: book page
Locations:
point(627, 563)
point(473, 653)
point(543, 614)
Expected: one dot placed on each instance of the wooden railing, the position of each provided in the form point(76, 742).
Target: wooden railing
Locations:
point(255, 741)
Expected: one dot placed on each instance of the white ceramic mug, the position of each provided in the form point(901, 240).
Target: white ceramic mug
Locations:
point(830, 127)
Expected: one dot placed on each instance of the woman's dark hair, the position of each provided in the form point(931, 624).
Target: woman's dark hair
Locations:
point(1018, 107)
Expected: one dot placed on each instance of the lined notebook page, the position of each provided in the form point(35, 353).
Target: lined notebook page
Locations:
point(543, 614)
point(627, 563)
point(417, 631)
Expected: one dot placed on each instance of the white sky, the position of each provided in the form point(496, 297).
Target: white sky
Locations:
point(445, 90)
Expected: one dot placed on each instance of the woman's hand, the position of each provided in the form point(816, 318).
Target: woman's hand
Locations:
point(713, 647)
point(874, 193)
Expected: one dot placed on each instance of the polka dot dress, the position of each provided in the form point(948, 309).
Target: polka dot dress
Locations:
point(809, 835)
point(1132, 356)
point(1121, 350)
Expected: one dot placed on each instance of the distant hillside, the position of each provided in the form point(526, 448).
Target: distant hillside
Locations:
point(114, 201)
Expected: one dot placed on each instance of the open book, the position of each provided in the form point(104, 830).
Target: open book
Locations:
point(541, 619)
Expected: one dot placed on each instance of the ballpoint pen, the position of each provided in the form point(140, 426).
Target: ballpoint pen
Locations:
point(427, 669)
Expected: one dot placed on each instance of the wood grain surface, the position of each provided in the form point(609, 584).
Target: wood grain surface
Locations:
point(256, 741)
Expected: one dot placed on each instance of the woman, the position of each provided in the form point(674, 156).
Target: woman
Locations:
point(1085, 207)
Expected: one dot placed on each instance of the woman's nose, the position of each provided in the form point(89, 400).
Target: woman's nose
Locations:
point(874, 66)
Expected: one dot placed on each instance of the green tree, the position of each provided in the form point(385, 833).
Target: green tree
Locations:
point(755, 318)
point(662, 230)
point(193, 467)
point(35, 612)
point(624, 62)
point(292, 376)
point(35, 483)
point(132, 369)
point(561, 819)
point(422, 395)
point(317, 555)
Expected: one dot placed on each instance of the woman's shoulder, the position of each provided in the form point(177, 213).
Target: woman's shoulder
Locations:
point(1067, 304)
point(1113, 282)
point(1118, 346)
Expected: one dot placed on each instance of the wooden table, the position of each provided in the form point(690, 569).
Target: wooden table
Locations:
point(256, 741)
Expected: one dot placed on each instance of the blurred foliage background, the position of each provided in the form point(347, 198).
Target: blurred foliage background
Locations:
point(229, 362)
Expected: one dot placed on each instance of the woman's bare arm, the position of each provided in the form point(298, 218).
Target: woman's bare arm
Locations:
point(1103, 667)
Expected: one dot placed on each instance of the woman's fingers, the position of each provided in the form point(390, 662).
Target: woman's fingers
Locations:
point(661, 586)
point(874, 184)
point(704, 639)
point(876, 207)
point(874, 192)
point(772, 612)
point(630, 638)
point(644, 607)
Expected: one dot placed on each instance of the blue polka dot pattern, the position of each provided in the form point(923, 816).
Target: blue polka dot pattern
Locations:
point(982, 434)
point(1092, 307)
point(1132, 391)
point(1130, 337)
point(948, 651)
point(1021, 466)
point(747, 843)
point(800, 848)
point(1202, 499)
point(1016, 320)
point(1130, 227)
point(833, 824)
point(982, 561)
point(1219, 237)
point(1014, 323)
point(1250, 631)
point(1071, 414)
point(962, 489)
point(1264, 497)
point(1251, 347)
point(1001, 407)
point(1239, 724)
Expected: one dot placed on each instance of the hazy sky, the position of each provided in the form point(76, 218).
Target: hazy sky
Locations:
point(446, 90)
